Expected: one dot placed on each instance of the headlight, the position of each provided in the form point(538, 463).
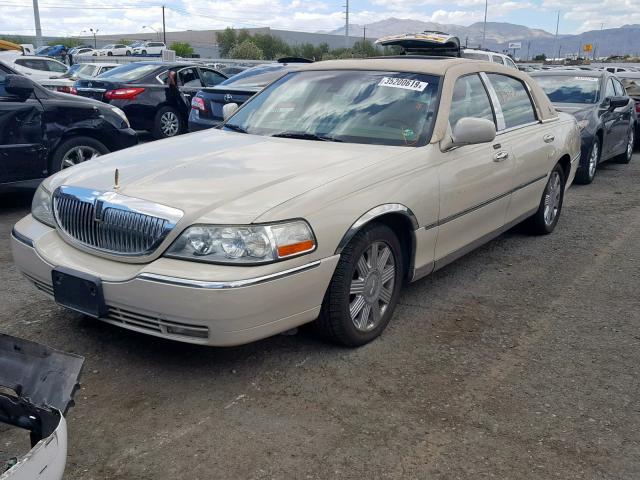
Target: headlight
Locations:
point(41, 207)
point(243, 244)
point(122, 115)
point(582, 124)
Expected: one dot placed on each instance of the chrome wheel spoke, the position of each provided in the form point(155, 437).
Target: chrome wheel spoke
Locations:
point(385, 294)
point(363, 267)
point(364, 316)
point(383, 258)
point(373, 256)
point(357, 286)
point(388, 274)
point(356, 306)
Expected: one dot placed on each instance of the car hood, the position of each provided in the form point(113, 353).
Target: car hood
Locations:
point(578, 110)
point(221, 176)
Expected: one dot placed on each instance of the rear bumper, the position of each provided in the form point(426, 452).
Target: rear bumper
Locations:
point(162, 299)
point(197, 123)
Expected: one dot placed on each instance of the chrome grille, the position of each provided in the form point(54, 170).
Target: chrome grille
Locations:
point(105, 221)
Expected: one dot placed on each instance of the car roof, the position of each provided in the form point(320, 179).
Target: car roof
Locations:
point(400, 63)
point(568, 72)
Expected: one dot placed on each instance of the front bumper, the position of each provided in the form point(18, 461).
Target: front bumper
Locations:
point(121, 138)
point(181, 300)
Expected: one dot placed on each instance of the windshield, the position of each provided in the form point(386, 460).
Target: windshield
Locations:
point(108, 46)
point(129, 73)
point(257, 77)
point(382, 108)
point(570, 89)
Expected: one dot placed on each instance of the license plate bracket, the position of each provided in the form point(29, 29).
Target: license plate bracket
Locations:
point(78, 291)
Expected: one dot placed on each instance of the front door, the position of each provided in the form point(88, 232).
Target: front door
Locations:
point(22, 138)
point(475, 180)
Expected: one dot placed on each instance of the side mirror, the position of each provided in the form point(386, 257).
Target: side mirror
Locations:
point(617, 102)
point(228, 110)
point(470, 131)
point(18, 86)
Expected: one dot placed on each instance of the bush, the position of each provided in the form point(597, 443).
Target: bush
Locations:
point(247, 50)
point(182, 49)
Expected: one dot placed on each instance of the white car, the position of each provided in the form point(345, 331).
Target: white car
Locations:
point(150, 48)
point(489, 56)
point(35, 67)
point(82, 51)
point(112, 50)
point(89, 70)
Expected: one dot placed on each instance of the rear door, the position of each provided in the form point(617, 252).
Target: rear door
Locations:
point(189, 82)
point(475, 180)
point(23, 153)
point(612, 120)
point(626, 116)
point(531, 144)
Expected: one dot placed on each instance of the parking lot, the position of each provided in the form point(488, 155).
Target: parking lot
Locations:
point(519, 360)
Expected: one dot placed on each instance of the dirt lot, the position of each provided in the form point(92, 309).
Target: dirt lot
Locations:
point(519, 361)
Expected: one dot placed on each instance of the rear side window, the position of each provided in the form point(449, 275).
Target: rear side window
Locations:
point(510, 63)
point(211, 78)
point(469, 99)
point(514, 99)
point(476, 55)
point(34, 64)
point(56, 67)
point(188, 77)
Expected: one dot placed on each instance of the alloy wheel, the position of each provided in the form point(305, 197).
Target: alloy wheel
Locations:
point(372, 286)
point(169, 124)
point(552, 198)
point(630, 145)
point(78, 155)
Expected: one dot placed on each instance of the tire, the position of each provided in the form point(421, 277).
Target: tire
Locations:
point(164, 117)
point(144, 52)
point(586, 174)
point(76, 150)
point(127, 53)
point(349, 318)
point(628, 153)
point(544, 221)
point(109, 54)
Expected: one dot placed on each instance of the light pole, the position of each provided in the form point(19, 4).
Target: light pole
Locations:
point(94, 33)
point(36, 17)
point(555, 42)
point(151, 28)
point(484, 29)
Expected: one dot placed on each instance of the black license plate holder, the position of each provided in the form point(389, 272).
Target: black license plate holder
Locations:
point(78, 291)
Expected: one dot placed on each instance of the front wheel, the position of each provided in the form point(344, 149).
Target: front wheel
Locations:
point(586, 174)
point(628, 153)
point(74, 151)
point(144, 52)
point(109, 54)
point(127, 53)
point(545, 219)
point(365, 287)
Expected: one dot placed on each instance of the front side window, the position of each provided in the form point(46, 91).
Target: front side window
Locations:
point(620, 91)
point(56, 67)
point(469, 99)
point(3, 76)
point(497, 59)
point(510, 63)
point(514, 99)
point(476, 55)
point(370, 107)
point(610, 90)
point(570, 88)
point(211, 78)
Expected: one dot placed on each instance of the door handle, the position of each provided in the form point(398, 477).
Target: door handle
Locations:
point(500, 156)
point(548, 138)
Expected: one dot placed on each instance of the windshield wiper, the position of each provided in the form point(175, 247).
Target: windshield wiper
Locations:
point(306, 136)
point(235, 128)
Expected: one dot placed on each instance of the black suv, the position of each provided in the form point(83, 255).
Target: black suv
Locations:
point(42, 132)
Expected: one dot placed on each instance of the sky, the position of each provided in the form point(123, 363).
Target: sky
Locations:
point(72, 17)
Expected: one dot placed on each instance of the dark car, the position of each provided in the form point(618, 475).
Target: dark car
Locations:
point(42, 131)
point(604, 111)
point(155, 96)
point(206, 105)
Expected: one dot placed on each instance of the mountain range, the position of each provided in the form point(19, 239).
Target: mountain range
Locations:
point(611, 41)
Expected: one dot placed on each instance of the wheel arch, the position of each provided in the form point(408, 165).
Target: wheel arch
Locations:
point(79, 132)
point(399, 218)
point(565, 163)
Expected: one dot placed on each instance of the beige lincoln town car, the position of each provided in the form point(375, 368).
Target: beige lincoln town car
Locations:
point(315, 202)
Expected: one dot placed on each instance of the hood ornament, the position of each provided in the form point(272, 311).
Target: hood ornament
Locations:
point(116, 185)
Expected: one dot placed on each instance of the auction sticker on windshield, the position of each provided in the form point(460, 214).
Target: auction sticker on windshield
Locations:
point(405, 83)
point(586, 79)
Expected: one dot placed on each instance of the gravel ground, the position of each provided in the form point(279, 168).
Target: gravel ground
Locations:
point(519, 361)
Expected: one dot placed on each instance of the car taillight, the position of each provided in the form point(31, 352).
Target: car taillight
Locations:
point(638, 107)
point(123, 93)
point(197, 103)
point(66, 89)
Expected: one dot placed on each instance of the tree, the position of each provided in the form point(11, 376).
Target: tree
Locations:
point(124, 41)
point(226, 41)
point(182, 49)
point(246, 50)
point(272, 47)
point(540, 58)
